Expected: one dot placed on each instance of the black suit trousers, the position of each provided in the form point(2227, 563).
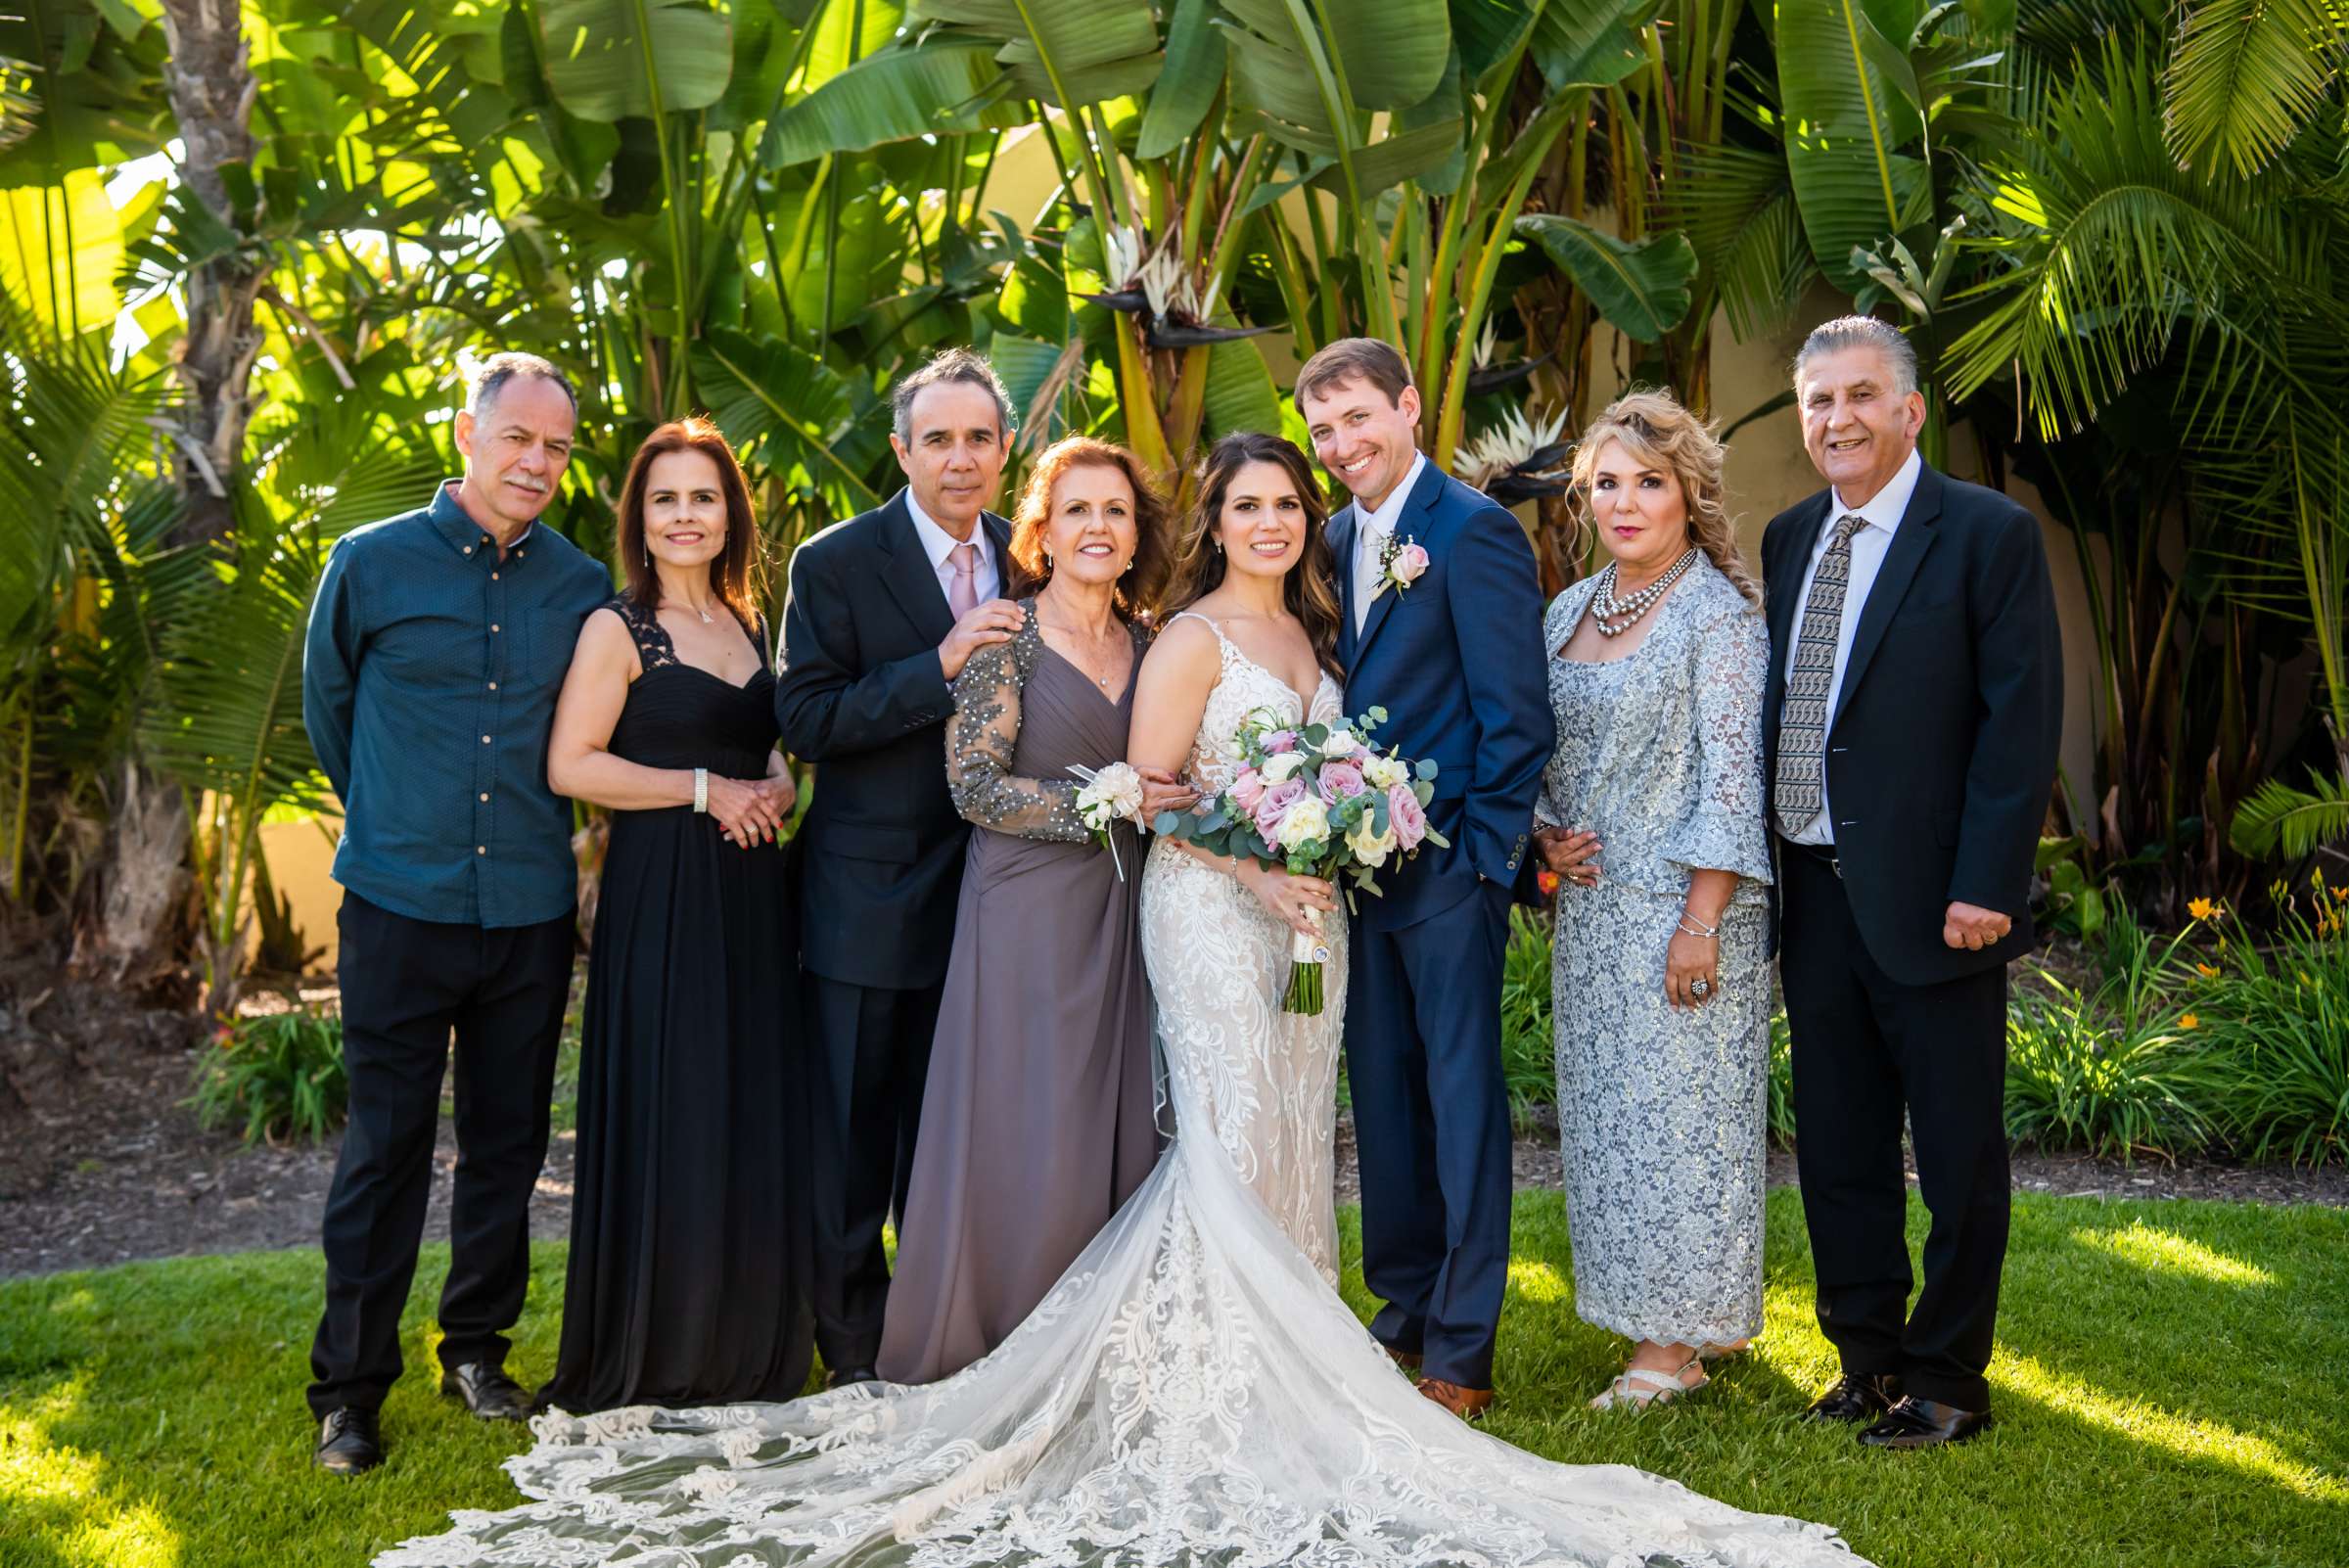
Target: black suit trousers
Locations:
point(1867, 1046)
point(870, 1051)
point(407, 987)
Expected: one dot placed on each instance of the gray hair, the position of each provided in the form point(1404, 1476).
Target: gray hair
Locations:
point(490, 377)
point(1861, 332)
point(952, 364)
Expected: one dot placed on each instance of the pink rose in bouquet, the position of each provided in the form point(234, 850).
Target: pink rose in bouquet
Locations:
point(1282, 740)
point(1247, 788)
point(1341, 781)
point(1274, 804)
point(1408, 819)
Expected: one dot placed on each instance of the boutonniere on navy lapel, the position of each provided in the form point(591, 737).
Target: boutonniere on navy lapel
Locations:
point(1400, 561)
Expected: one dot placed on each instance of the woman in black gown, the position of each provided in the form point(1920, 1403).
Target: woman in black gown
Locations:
point(688, 1244)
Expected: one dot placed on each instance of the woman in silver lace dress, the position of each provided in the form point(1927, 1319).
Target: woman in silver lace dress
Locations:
point(1037, 1121)
point(1661, 986)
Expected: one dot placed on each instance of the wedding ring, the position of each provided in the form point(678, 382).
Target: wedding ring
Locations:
point(1700, 986)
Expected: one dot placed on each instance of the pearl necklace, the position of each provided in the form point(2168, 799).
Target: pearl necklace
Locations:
point(1614, 616)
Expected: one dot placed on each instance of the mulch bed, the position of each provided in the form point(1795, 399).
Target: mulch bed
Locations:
point(101, 1163)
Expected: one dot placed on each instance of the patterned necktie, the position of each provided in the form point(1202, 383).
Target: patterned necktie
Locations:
point(1802, 721)
point(963, 597)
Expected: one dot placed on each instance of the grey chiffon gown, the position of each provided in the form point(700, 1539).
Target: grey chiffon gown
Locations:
point(1037, 1118)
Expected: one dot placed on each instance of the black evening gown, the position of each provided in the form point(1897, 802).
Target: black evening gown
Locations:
point(689, 1225)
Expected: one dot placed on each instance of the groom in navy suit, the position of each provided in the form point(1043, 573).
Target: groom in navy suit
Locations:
point(1443, 628)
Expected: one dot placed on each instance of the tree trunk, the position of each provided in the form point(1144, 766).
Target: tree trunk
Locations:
point(211, 89)
point(141, 931)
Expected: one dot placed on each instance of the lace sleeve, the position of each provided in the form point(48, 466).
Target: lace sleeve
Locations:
point(1722, 827)
point(982, 736)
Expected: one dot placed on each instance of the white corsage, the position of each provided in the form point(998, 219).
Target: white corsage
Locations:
point(1400, 562)
point(1111, 795)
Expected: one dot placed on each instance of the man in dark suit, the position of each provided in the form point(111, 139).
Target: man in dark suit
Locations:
point(1453, 654)
point(883, 611)
point(1911, 730)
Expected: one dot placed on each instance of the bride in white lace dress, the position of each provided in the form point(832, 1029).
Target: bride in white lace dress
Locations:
point(1193, 1391)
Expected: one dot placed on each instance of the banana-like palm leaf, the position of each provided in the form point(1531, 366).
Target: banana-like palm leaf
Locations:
point(1641, 287)
point(1850, 128)
point(1068, 53)
point(903, 92)
point(790, 406)
point(613, 60)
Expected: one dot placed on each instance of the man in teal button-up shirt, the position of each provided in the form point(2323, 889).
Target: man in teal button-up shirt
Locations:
point(436, 647)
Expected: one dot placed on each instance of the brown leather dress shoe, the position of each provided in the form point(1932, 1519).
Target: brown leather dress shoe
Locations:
point(1854, 1397)
point(1915, 1423)
point(1468, 1404)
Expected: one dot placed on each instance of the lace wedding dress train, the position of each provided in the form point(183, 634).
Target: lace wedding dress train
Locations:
point(1193, 1392)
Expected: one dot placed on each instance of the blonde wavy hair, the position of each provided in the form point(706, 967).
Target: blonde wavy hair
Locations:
point(1658, 433)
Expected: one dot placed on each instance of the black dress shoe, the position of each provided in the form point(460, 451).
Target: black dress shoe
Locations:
point(1915, 1423)
point(841, 1377)
point(349, 1442)
point(1855, 1398)
point(484, 1389)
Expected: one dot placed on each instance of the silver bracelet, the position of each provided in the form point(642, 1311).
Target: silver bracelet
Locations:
point(701, 790)
point(1690, 925)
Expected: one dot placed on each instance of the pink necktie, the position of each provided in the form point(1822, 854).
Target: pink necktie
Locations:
point(963, 597)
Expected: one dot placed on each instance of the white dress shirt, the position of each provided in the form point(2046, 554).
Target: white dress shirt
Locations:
point(940, 546)
point(1372, 532)
point(1882, 515)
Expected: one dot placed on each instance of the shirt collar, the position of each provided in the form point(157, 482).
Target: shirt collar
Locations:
point(1390, 510)
point(456, 524)
point(936, 542)
point(1885, 509)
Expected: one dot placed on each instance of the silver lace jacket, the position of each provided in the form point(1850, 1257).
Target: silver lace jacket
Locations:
point(1677, 782)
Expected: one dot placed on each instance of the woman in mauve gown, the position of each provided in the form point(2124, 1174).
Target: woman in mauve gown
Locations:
point(1037, 1121)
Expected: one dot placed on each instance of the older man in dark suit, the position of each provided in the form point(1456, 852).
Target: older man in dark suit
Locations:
point(883, 610)
point(1910, 728)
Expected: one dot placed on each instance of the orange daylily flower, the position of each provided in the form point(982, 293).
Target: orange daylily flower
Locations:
point(2207, 970)
point(2190, 1021)
point(2201, 908)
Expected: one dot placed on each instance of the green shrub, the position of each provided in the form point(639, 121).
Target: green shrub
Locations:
point(1781, 1081)
point(2280, 1019)
point(1528, 1053)
point(2117, 1068)
point(280, 1074)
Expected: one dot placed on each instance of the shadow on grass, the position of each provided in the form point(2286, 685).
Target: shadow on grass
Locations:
point(151, 1416)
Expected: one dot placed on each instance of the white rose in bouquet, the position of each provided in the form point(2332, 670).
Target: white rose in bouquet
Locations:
point(1370, 848)
point(1282, 766)
point(1306, 822)
point(1385, 772)
point(1343, 741)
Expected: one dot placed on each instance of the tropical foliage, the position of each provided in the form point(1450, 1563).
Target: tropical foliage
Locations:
point(250, 246)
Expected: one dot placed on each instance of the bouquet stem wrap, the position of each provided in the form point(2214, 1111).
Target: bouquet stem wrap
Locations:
point(1307, 956)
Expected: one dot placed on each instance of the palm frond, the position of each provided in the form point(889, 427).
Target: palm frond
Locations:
point(2298, 821)
point(2246, 76)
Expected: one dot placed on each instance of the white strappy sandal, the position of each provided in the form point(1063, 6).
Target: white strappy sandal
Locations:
point(1639, 1387)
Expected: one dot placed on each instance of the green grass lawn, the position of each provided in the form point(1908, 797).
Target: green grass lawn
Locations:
point(2169, 1386)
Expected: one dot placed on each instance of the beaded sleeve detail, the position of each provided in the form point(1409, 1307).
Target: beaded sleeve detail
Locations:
point(984, 735)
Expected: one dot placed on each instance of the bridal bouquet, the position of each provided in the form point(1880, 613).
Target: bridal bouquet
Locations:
point(1323, 802)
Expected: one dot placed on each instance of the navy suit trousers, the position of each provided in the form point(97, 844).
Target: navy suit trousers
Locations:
point(1423, 1065)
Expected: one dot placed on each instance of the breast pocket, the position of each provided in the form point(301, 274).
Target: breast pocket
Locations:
point(543, 651)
